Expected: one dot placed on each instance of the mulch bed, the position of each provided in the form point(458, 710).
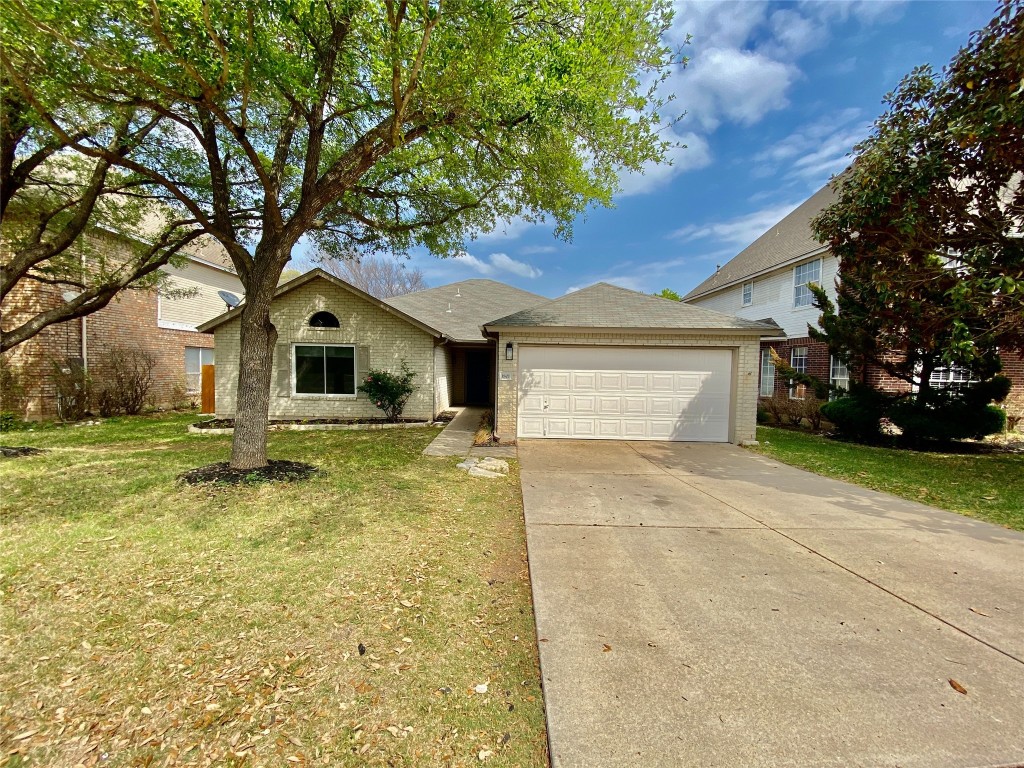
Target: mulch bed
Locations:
point(17, 452)
point(221, 472)
point(230, 423)
point(446, 416)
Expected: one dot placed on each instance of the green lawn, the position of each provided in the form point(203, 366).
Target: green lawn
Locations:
point(144, 622)
point(987, 486)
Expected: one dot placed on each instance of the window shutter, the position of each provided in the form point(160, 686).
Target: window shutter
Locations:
point(284, 370)
point(362, 367)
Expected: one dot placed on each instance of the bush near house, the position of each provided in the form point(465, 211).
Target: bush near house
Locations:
point(389, 391)
point(125, 382)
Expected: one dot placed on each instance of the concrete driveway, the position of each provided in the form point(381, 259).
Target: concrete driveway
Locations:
point(699, 605)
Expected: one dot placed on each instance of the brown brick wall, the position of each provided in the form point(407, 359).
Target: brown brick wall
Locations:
point(130, 320)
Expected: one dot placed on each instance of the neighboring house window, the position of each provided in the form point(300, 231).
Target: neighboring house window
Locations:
point(804, 275)
point(767, 373)
point(748, 293)
point(953, 377)
point(324, 320)
point(195, 359)
point(798, 362)
point(325, 369)
point(839, 375)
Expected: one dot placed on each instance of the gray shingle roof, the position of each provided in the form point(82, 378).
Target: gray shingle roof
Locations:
point(472, 302)
point(787, 240)
point(609, 306)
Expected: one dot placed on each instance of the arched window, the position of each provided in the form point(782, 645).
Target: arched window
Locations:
point(324, 320)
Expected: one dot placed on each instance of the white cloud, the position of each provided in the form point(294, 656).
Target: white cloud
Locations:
point(497, 263)
point(505, 263)
point(739, 231)
point(533, 250)
point(510, 229)
point(690, 153)
point(817, 151)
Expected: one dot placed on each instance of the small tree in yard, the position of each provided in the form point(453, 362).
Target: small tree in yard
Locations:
point(389, 391)
point(379, 125)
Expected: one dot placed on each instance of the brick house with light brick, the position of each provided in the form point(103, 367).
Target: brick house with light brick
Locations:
point(160, 323)
point(768, 281)
point(601, 363)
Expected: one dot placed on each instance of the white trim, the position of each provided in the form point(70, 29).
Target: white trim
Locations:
point(744, 301)
point(806, 282)
point(324, 395)
point(793, 387)
point(766, 359)
point(767, 270)
point(171, 325)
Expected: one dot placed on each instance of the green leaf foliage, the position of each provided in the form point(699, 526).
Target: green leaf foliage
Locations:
point(389, 391)
point(928, 219)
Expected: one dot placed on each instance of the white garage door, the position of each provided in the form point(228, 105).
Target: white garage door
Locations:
point(617, 393)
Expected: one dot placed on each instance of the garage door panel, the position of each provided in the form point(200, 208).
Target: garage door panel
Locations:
point(609, 382)
point(584, 404)
point(625, 393)
point(634, 406)
point(557, 380)
point(584, 381)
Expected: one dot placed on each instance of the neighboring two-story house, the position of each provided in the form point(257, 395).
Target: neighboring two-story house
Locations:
point(768, 281)
point(161, 323)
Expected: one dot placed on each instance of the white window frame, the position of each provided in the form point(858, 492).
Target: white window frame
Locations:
point(748, 293)
point(767, 374)
point(802, 296)
point(198, 374)
point(335, 396)
point(950, 376)
point(794, 389)
point(834, 364)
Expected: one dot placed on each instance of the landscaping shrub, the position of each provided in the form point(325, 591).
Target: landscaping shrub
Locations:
point(949, 420)
point(74, 390)
point(126, 380)
point(783, 409)
point(857, 416)
point(811, 411)
point(389, 391)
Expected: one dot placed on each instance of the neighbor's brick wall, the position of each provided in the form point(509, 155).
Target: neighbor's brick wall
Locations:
point(746, 359)
point(130, 320)
point(819, 364)
point(388, 339)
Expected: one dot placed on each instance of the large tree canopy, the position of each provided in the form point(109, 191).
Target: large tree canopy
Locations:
point(928, 221)
point(51, 197)
point(376, 124)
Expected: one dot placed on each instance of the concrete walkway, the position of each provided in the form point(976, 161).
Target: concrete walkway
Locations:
point(699, 605)
point(456, 439)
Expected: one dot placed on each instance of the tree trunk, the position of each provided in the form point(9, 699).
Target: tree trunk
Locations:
point(255, 369)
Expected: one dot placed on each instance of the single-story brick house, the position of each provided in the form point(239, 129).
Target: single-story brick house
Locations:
point(600, 363)
point(768, 281)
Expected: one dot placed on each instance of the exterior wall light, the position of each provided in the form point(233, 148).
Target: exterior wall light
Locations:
point(508, 351)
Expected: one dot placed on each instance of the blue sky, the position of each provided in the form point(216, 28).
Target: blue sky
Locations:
point(776, 95)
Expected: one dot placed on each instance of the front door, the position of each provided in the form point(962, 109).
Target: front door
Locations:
point(478, 376)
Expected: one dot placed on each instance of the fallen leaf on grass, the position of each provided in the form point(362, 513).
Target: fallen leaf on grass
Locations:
point(957, 687)
point(26, 735)
point(484, 754)
point(482, 688)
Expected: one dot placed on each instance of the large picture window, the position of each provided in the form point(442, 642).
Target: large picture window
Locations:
point(804, 275)
point(325, 369)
